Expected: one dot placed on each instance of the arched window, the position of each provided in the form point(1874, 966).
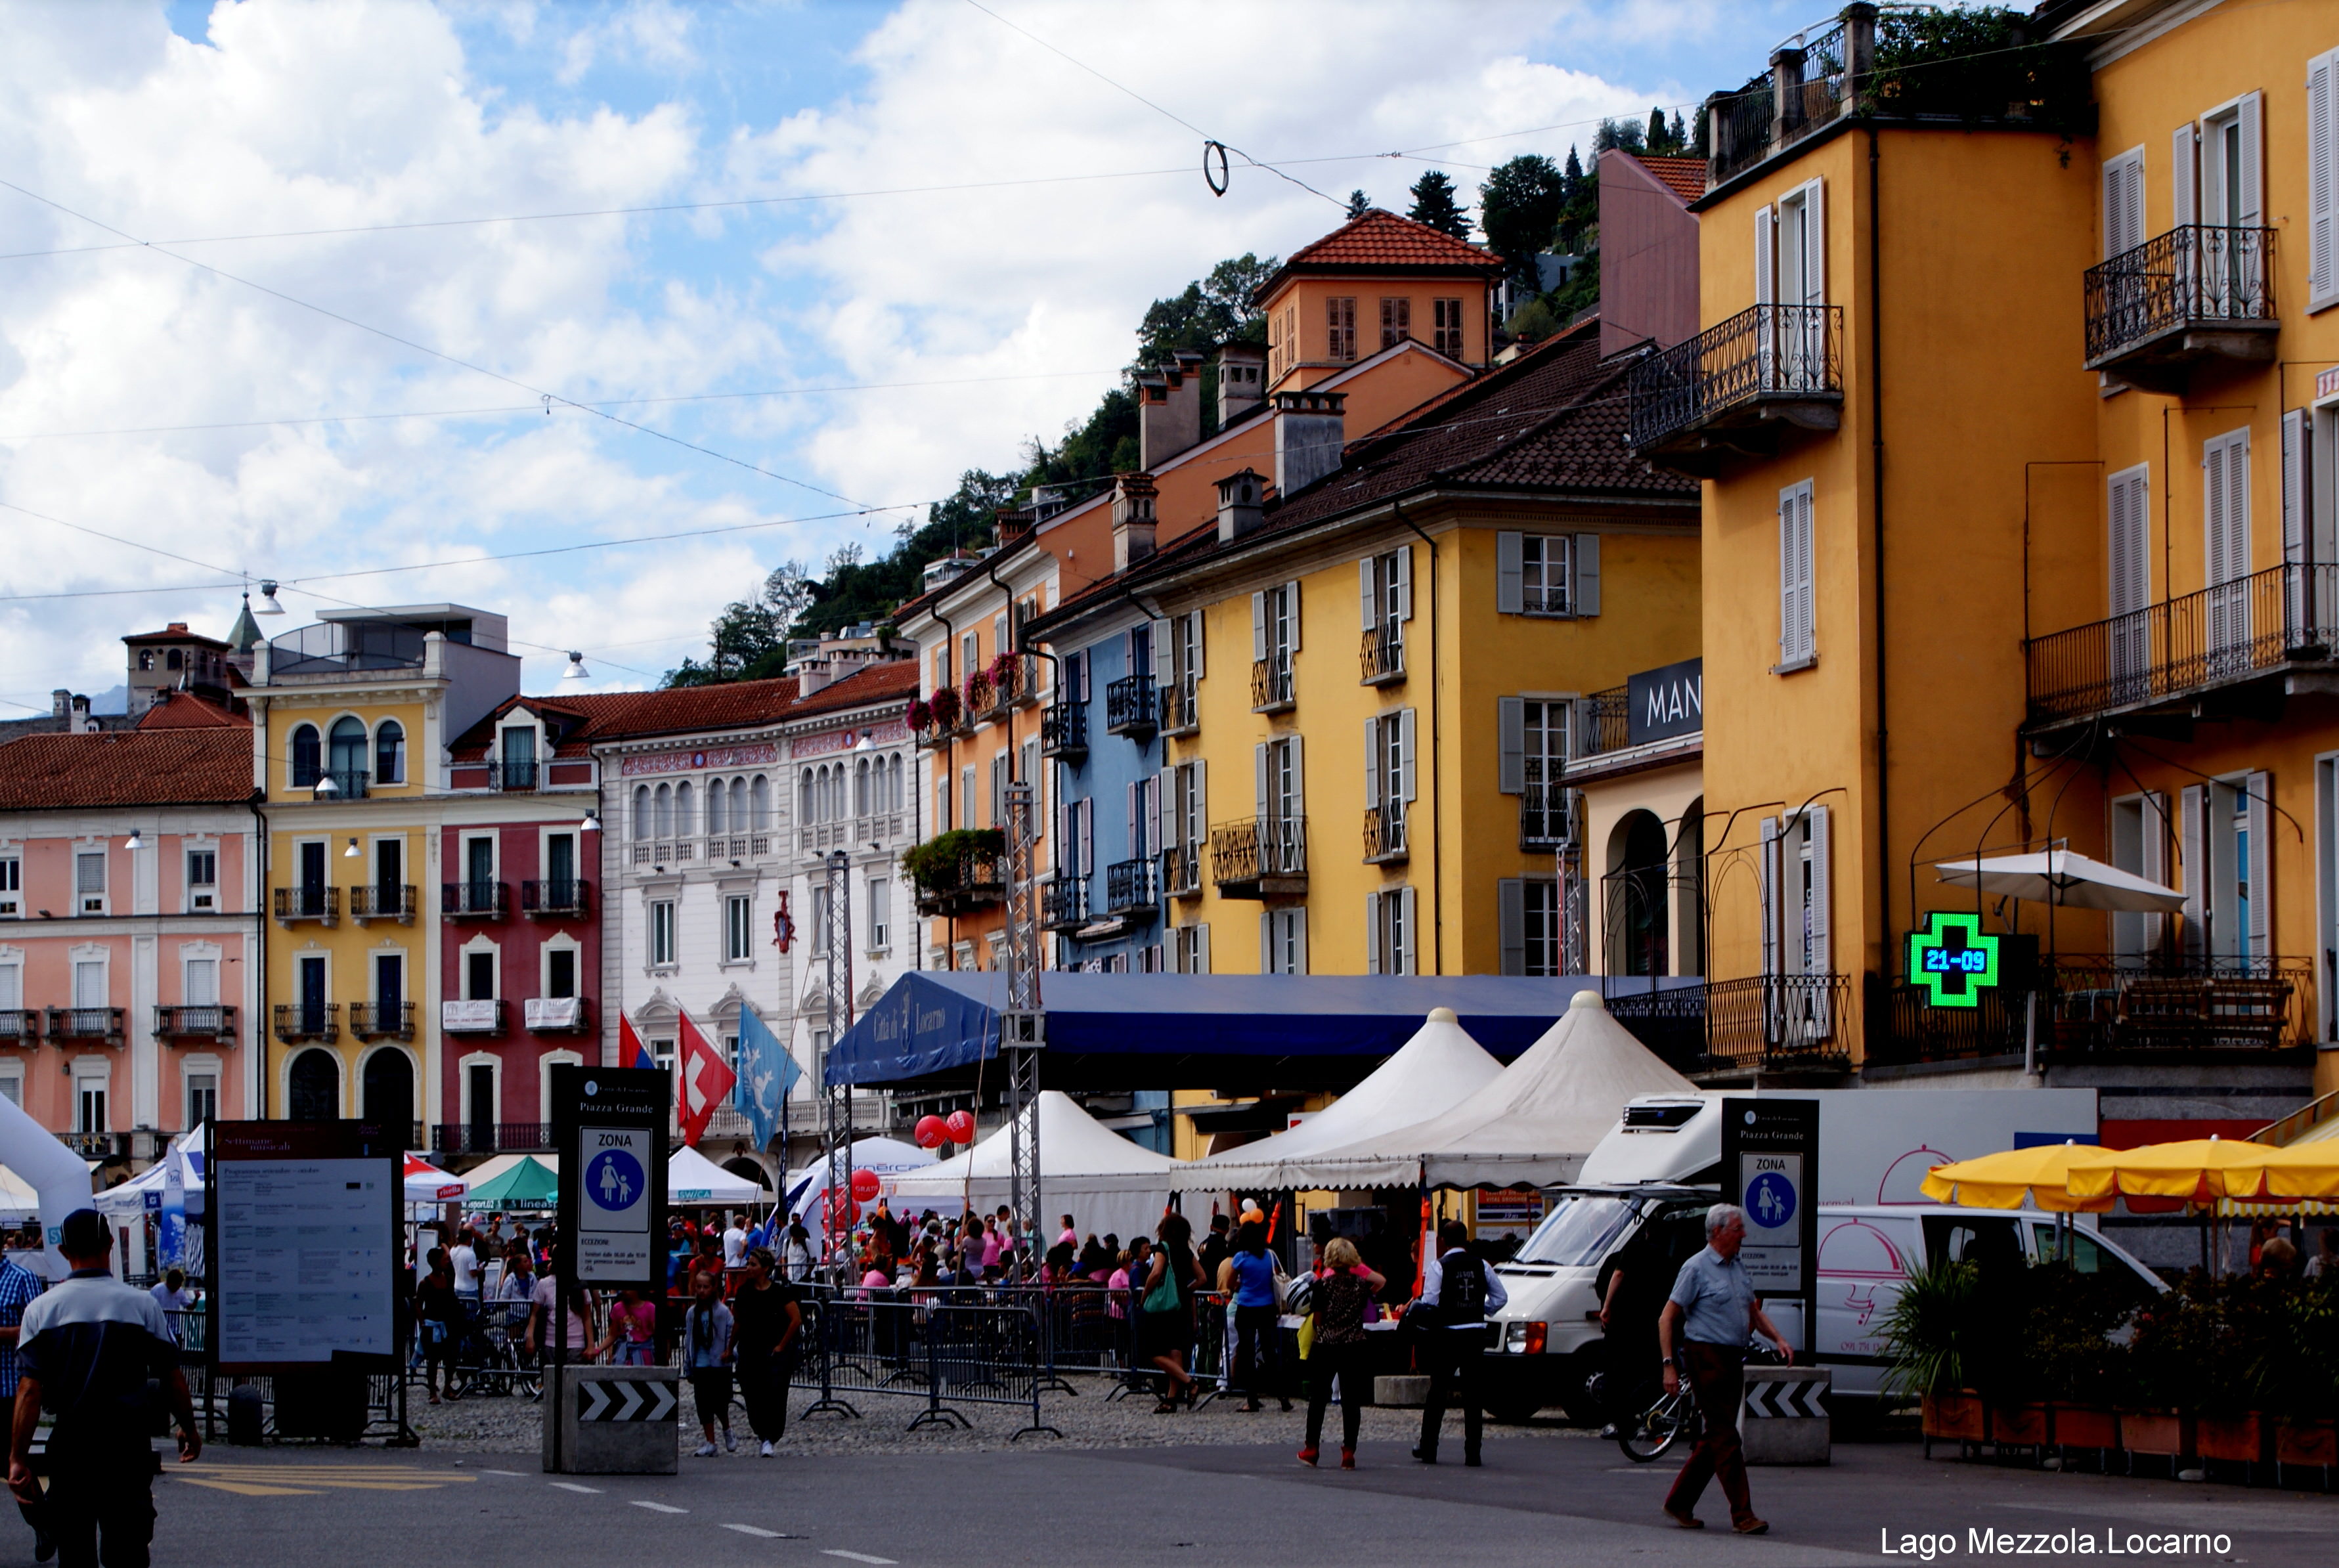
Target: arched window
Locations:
point(685, 810)
point(389, 753)
point(389, 1085)
point(899, 800)
point(803, 798)
point(345, 753)
point(763, 803)
point(861, 787)
point(718, 813)
point(307, 758)
point(177, 660)
point(316, 1087)
point(738, 805)
point(664, 813)
point(641, 811)
point(145, 658)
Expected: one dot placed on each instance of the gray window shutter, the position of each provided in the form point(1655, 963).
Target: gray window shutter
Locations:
point(1202, 949)
point(1510, 574)
point(1510, 903)
point(1765, 253)
point(1815, 830)
point(2321, 180)
point(1770, 880)
point(2251, 114)
point(2192, 881)
point(1159, 634)
point(1511, 739)
point(1367, 611)
point(2294, 485)
point(1291, 606)
point(1196, 618)
point(2184, 170)
point(1586, 583)
point(1403, 560)
point(1373, 935)
point(1266, 943)
point(1372, 761)
point(1409, 950)
point(1405, 751)
point(1257, 627)
point(1259, 763)
point(2260, 870)
point(1201, 801)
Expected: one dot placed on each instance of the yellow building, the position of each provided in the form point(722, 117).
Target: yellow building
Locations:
point(1987, 355)
point(351, 719)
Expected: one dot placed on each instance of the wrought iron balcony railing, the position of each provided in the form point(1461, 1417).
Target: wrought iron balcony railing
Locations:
point(300, 1020)
point(345, 784)
point(1603, 723)
point(1546, 816)
point(1383, 834)
point(1064, 731)
point(1382, 656)
point(2180, 648)
point(372, 901)
point(473, 900)
point(977, 880)
point(2139, 1007)
point(1260, 857)
point(491, 1138)
point(1728, 389)
point(983, 698)
point(566, 898)
point(1131, 886)
point(1182, 706)
point(1776, 1021)
point(2195, 292)
point(1064, 902)
point(382, 1020)
point(1270, 683)
point(513, 773)
point(1129, 708)
point(1181, 870)
point(196, 1022)
point(317, 904)
point(100, 1025)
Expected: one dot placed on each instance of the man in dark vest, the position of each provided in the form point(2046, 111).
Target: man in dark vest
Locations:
point(1457, 1291)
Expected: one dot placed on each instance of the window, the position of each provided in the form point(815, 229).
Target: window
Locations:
point(1530, 921)
point(881, 935)
point(89, 882)
point(1388, 781)
point(389, 753)
point(346, 755)
point(1388, 932)
point(662, 933)
point(1075, 856)
point(1385, 592)
point(145, 658)
point(1001, 772)
point(2140, 845)
point(821, 910)
point(480, 975)
point(12, 986)
point(1189, 949)
point(1449, 340)
point(686, 815)
point(12, 886)
point(1547, 574)
point(642, 817)
point(662, 1053)
point(1274, 639)
point(175, 660)
point(1397, 321)
point(89, 982)
point(966, 806)
point(738, 929)
point(1796, 909)
point(1283, 941)
point(1143, 802)
point(560, 972)
point(1340, 321)
point(970, 653)
point(203, 981)
point(1033, 775)
point(2322, 181)
point(308, 758)
point(89, 1105)
point(202, 1099)
point(202, 879)
point(12, 1090)
point(1797, 628)
point(2225, 542)
point(2226, 861)
point(760, 800)
point(662, 813)
point(942, 802)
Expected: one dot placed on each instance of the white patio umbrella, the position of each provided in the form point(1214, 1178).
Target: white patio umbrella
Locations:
point(2060, 877)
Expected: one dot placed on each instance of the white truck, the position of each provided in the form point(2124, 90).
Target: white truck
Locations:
point(1654, 1176)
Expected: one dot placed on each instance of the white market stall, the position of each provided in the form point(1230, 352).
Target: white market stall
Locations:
point(692, 1179)
point(887, 1157)
point(121, 1202)
point(1105, 1182)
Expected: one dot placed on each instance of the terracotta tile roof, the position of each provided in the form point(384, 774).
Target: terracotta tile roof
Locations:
point(1383, 242)
point(896, 680)
point(581, 721)
point(1684, 177)
point(176, 633)
point(186, 711)
point(210, 766)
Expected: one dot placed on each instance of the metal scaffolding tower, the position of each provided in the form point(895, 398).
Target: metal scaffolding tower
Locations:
point(1022, 1026)
point(836, 1098)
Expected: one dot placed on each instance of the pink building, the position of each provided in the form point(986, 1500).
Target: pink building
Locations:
point(129, 928)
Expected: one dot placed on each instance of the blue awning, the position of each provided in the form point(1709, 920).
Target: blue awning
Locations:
point(1159, 1031)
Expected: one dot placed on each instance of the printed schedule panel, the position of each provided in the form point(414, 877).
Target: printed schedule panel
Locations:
point(304, 1220)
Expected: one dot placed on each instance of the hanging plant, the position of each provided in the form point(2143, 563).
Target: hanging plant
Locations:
point(944, 707)
point(1002, 669)
point(935, 864)
point(920, 715)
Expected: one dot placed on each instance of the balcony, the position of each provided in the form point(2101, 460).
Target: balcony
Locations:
point(1739, 390)
point(1384, 834)
point(1260, 857)
point(185, 1022)
point(974, 882)
point(512, 775)
point(1132, 887)
point(491, 1138)
point(1382, 656)
point(1064, 733)
point(1546, 817)
point(1181, 870)
point(2236, 650)
point(473, 900)
point(1181, 707)
point(321, 904)
point(370, 904)
point(1017, 679)
point(20, 1026)
point(337, 648)
point(308, 1020)
point(480, 1016)
point(564, 898)
point(340, 784)
point(85, 1025)
point(985, 700)
point(556, 1014)
point(1271, 685)
point(666, 853)
point(732, 847)
point(1603, 723)
point(382, 1020)
point(1064, 904)
point(2194, 294)
point(1771, 1023)
point(1130, 708)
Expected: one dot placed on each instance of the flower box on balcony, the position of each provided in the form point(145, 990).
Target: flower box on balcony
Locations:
point(2247, 1438)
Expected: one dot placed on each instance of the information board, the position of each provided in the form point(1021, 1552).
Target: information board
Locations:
point(610, 1126)
point(1770, 1165)
point(305, 1227)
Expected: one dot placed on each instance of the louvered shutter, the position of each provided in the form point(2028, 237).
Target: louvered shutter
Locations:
point(2192, 873)
point(1266, 943)
point(1259, 762)
point(1769, 879)
point(2295, 606)
point(1765, 252)
point(1405, 753)
point(2131, 550)
point(2154, 862)
point(1163, 655)
point(2251, 205)
point(2322, 181)
point(1367, 611)
point(1194, 646)
point(1797, 634)
point(1291, 609)
point(1372, 761)
point(1159, 783)
point(2184, 170)
point(1257, 627)
point(1202, 949)
point(2259, 814)
point(1299, 806)
point(1373, 934)
point(1511, 743)
point(1403, 561)
point(1511, 917)
point(2123, 198)
point(1201, 803)
point(1510, 574)
point(1814, 279)
point(1816, 834)
point(1409, 949)
point(1585, 584)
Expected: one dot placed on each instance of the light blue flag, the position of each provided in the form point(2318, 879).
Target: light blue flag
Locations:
point(767, 1071)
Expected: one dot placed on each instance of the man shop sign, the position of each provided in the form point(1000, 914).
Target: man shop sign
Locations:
point(1665, 703)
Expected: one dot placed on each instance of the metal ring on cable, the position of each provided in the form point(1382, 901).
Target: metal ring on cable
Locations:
point(1214, 152)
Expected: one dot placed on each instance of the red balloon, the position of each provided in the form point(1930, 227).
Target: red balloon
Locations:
point(959, 1125)
point(864, 1185)
point(929, 1132)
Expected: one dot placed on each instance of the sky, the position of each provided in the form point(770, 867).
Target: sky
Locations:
point(360, 295)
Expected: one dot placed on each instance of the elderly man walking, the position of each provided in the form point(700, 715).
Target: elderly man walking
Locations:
point(1711, 1314)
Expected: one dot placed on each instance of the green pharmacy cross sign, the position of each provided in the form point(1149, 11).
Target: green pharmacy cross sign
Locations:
point(1953, 959)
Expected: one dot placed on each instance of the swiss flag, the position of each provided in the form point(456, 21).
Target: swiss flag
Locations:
point(631, 1051)
point(706, 1080)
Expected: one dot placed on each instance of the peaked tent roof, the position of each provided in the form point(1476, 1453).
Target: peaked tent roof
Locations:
point(1072, 1143)
point(526, 1182)
point(692, 1178)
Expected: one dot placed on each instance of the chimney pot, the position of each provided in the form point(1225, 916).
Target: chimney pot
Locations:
point(1169, 410)
point(1241, 497)
point(1132, 519)
point(1242, 380)
point(1309, 433)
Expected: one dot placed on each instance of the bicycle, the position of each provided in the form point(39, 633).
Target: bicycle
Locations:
point(1656, 1429)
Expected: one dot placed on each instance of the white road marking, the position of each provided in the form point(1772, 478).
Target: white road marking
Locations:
point(755, 1530)
point(572, 1487)
point(857, 1556)
point(657, 1507)
point(503, 1473)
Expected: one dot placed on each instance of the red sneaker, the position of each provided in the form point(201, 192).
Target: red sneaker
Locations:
point(1308, 1457)
point(1347, 1459)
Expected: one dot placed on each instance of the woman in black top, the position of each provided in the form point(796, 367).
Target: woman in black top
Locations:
point(768, 1328)
point(439, 1312)
point(1343, 1290)
point(1163, 1336)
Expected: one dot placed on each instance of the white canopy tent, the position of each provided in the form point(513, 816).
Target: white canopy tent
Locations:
point(2058, 877)
point(1531, 1126)
point(426, 1183)
point(888, 1157)
point(130, 1198)
point(18, 1202)
point(1105, 1182)
point(692, 1179)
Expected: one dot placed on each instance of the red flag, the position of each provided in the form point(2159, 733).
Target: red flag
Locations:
point(631, 1051)
point(706, 1080)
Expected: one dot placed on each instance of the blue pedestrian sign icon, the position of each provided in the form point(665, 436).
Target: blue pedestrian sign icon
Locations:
point(613, 1204)
point(1769, 1201)
point(614, 1181)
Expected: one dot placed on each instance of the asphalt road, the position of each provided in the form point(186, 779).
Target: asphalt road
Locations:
point(1535, 1502)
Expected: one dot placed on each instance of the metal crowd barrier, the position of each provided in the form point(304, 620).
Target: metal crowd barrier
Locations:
point(951, 1353)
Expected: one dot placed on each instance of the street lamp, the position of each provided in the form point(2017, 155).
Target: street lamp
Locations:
point(267, 604)
point(350, 852)
point(324, 788)
point(592, 822)
point(575, 670)
point(133, 841)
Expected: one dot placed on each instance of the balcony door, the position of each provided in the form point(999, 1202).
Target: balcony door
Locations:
point(89, 982)
point(312, 877)
point(2225, 550)
point(310, 986)
point(1791, 271)
point(389, 1090)
point(2233, 208)
point(482, 1106)
point(390, 873)
point(479, 871)
point(389, 987)
point(2129, 512)
point(345, 757)
point(560, 867)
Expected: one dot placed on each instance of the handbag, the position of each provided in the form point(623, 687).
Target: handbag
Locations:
point(1163, 1298)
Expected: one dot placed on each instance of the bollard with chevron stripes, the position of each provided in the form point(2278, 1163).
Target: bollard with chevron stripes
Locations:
point(1783, 1418)
point(601, 1400)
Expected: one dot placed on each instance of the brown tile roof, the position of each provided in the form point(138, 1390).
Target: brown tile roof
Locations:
point(1382, 242)
point(581, 721)
point(186, 711)
point(209, 766)
point(176, 633)
point(1684, 177)
point(896, 680)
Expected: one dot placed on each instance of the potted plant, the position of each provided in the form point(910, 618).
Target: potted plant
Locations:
point(2305, 1398)
point(938, 865)
point(2072, 1361)
point(942, 707)
point(1931, 1330)
point(2179, 1361)
point(921, 715)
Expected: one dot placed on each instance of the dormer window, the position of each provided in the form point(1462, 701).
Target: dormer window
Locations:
point(519, 760)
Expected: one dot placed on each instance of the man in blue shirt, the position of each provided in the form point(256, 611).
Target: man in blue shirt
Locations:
point(18, 1287)
point(1703, 1329)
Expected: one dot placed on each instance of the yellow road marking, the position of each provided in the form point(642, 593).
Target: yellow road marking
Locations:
point(246, 1489)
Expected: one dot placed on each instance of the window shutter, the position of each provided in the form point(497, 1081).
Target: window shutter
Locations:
point(2131, 551)
point(1194, 629)
point(1373, 934)
point(1130, 805)
point(1765, 250)
point(1257, 627)
point(1584, 581)
point(1511, 742)
point(2322, 181)
point(2293, 486)
point(1291, 607)
point(1159, 633)
point(1372, 761)
point(1299, 780)
point(1408, 946)
point(1202, 949)
point(1796, 632)
point(2117, 217)
point(2252, 117)
point(1266, 943)
point(1299, 940)
point(1510, 906)
point(1088, 837)
point(1769, 890)
point(1367, 611)
point(2260, 869)
point(1814, 243)
point(1404, 562)
point(1405, 751)
point(2192, 804)
point(1510, 574)
point(1159, 784)
point(1201, 801)
point(1815, 831)
point(2155, 862)
point(1259, 758)
point(2183, 171)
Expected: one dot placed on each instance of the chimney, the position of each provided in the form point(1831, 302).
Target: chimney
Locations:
point(1242, 380)
point(1309, 431)
point(1168, 409)
point(1012, 523)
point(61, 704)
point(1240, 496)
point(1132, 519)
point(81, 723)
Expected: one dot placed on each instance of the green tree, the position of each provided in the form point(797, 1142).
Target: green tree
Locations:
point(1434, 204)
point(1212, 310)
point(750, 633)
point(1520, 206)
point(1358, 205)
point(1622, 134)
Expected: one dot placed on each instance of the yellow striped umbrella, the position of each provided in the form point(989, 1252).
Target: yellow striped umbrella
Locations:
point(2300, 1170)
point(2041, 1174)
point(2193, 1171)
